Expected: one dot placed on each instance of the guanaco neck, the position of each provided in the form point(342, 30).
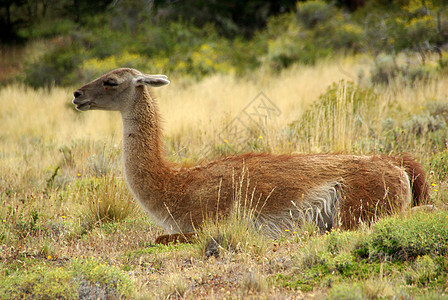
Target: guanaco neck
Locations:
point(146, 170)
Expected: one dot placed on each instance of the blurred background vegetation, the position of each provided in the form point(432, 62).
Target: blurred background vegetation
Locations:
point(48, 42)
point(348, 76)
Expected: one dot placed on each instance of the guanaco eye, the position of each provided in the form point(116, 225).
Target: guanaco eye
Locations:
point(110, 82)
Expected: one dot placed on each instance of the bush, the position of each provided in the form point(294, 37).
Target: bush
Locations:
point(55, 68)
point(97, 279)
point(316, 30)
point(428, 130)
point(414, 248)
point(312, 13)
point(404, 239)
point(41, 283)
point(388, 69)
point(81, 279)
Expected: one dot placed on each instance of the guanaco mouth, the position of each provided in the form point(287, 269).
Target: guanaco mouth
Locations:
point(82, 105)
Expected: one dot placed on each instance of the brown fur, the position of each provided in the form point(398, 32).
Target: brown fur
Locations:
point(332, 190)
point(420, 188)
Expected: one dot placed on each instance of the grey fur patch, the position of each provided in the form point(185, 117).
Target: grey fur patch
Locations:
point(319, 207)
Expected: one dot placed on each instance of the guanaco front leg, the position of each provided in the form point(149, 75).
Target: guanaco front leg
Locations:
point(176, 238)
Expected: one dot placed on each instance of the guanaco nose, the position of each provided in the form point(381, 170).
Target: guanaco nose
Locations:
point(77, 93)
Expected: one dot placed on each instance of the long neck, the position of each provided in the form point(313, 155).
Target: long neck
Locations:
point(146, 170)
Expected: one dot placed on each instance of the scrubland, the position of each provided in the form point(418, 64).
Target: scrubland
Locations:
point(70, 229)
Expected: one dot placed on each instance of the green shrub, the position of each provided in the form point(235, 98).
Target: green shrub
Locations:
point(438, 109)
point(57, 67)
point(388, 69)
point(427, 130)
point(316, 30)
point(80, 279)
point(334, 254)
point(312, 13)
point(399, 238)
point(39, 283)
point(97, 279)
point(374, 261)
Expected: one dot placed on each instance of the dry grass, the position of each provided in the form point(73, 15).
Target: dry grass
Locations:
point(62, 194)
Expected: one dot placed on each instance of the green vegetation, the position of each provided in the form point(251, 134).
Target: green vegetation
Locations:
point(79, 279)
point(407, 239)
point(409, 251)
point(84, 39)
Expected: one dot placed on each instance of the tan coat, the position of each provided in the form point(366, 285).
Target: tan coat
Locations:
point(330, 190)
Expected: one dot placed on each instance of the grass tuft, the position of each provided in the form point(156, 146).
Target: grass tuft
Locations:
point(107, 199)
point(254, 283)
point(236, 233)
point(175, 287)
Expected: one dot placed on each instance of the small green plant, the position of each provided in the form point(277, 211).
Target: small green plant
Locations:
point(439, 164)
point(34, 218)
point(422, 272)
point(97, 278)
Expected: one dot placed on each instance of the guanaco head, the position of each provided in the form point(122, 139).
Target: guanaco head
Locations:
point(114, 90)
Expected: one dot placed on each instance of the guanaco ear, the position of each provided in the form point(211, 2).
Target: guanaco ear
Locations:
point(151, 80)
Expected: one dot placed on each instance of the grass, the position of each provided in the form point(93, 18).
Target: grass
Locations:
point(80, 278)
point(67, 220)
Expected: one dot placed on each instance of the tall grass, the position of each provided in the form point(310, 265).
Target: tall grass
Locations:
point(46, 145)
point(237, 232)
point(62, 192)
